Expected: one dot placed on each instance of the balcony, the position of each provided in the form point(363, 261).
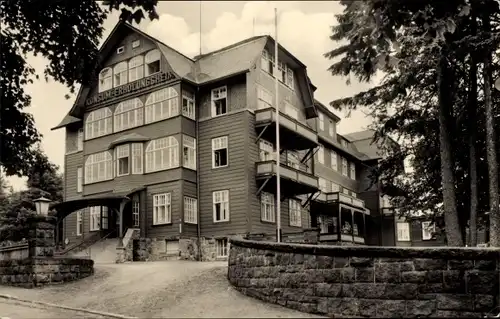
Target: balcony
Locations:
point(344, 238)
point(337, 197)
point(293, 181)
point(343, 225)
point(293, 135)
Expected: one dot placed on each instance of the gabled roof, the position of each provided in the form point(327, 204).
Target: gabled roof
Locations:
point(68, 119)
point(234, 59)
point(360, 135)
point(128, 138)
point(325, 110)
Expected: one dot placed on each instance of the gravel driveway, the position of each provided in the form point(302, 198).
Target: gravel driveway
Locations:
point(158, 289)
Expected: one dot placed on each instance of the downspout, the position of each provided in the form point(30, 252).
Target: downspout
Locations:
point(198, 226)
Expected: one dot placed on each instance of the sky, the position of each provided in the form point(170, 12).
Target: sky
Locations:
point(304, 28)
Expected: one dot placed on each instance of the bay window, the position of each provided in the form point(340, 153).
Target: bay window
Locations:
point(105, 79)
point(120, 72)
point(188, 105)
point(122, 155)
point(136, 68)
point(137, 158)
point(152, 61)
point(189, 152)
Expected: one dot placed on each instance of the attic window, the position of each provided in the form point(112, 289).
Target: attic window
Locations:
point(120, 50)
point(152, 60)
point(267, 62)
point(136, 44)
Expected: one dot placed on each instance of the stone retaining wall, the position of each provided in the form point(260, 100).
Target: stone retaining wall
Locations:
point(368, 281)
point(40, 271)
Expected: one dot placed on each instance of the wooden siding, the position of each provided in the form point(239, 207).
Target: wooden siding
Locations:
point(236, 98)
point(232, 177)
point(169, 230)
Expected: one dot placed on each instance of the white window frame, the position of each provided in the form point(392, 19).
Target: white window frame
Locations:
point(120, 74)
point(344, 166)
point(136, 43)
point(427, 230)
point(120, 50)
point(79, 222)
point(166, 150)
point(151, 57)
point(189, 152)
point(136, 213)
point(267, 207)
point(295, 212)
point(188, 105)
point(99, 123)
point(121, 152)
point(105, 79)
point(266, 151)
point(222, 247)
point(267, 62)
point(162, 200)
point(289, 81)
point(220, 143)
point(79, 179)
point(137, 158)
point(321, 154)
point(136, 68)
point(334, 160)
point(352, 171)
point(98, 167)
point(128, 114)
point(217, 94)
point(79, 139)
point(403, 231)
point(161, 105)
point(321, 121)
point(331, 127)
point(95, 218)
point(221, 198)
point(190, 210)
point(265, 99)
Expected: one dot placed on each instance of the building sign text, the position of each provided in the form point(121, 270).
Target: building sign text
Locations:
point(130, 87)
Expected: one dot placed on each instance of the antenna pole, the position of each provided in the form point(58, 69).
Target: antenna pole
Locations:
point(200, 27)
point(276, 87)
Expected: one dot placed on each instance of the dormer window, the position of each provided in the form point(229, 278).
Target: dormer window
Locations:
point(105, 79)
point(152, 62)
point(267, 62)
point(120, 72)
point(219, 101)
point(136, 68)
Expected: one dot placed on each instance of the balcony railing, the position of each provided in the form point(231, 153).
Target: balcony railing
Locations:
point(269, 168)
point(343, 237)
point(341, 198)
point(269, 116)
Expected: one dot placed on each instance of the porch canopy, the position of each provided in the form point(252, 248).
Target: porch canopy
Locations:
point(112, 200)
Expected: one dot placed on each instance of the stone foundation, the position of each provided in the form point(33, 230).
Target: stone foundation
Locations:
point(372, 282)
point(40, 271)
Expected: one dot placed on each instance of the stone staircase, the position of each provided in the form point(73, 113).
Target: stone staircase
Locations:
point(102, 252)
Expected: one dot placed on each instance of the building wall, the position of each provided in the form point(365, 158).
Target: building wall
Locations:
point(168, 230)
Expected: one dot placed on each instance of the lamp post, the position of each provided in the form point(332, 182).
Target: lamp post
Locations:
point(42, 206)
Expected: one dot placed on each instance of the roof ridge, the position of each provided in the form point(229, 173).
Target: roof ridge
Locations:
point(228, 47)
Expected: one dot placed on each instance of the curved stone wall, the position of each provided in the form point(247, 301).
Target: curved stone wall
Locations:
point(368, 281)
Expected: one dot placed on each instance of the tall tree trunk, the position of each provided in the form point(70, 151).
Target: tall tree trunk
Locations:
point(491, 151)
point(452, 227)
point(472, 119)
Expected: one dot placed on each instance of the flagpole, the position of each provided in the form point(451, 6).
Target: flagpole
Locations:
point(200, 26)
point(276, 87)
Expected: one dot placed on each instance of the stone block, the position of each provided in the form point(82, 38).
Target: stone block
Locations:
point(341, 262)
point(407, 266)
point(430, 288)
point(391, 309)
point(484, 303)
point(455, 302)
point(325, 262)
point(485, 264)
point(430, 264)
point(420, 308)
point(365, 274)
point(454, 281)
point(400, 291)
point(413, 276)
point(457, 314)
point(332, 275)
point(434, 276)
point(388, 272)
point(348, 275)
point(457, 264)
point(368, 308)
point(482, 282)
point(327, 290)
point(360, 262)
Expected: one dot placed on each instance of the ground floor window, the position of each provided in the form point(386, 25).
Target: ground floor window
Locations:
point(95, 218)
point(79, 223)
point(403, 231)
point(222, 247)
point(135, 213)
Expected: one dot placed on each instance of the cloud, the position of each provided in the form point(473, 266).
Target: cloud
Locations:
point(304, 35)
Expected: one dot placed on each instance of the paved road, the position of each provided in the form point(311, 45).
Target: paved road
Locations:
point(171, 289)
point(20, 310)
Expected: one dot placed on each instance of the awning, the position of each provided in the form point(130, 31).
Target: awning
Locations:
point(129, 138)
